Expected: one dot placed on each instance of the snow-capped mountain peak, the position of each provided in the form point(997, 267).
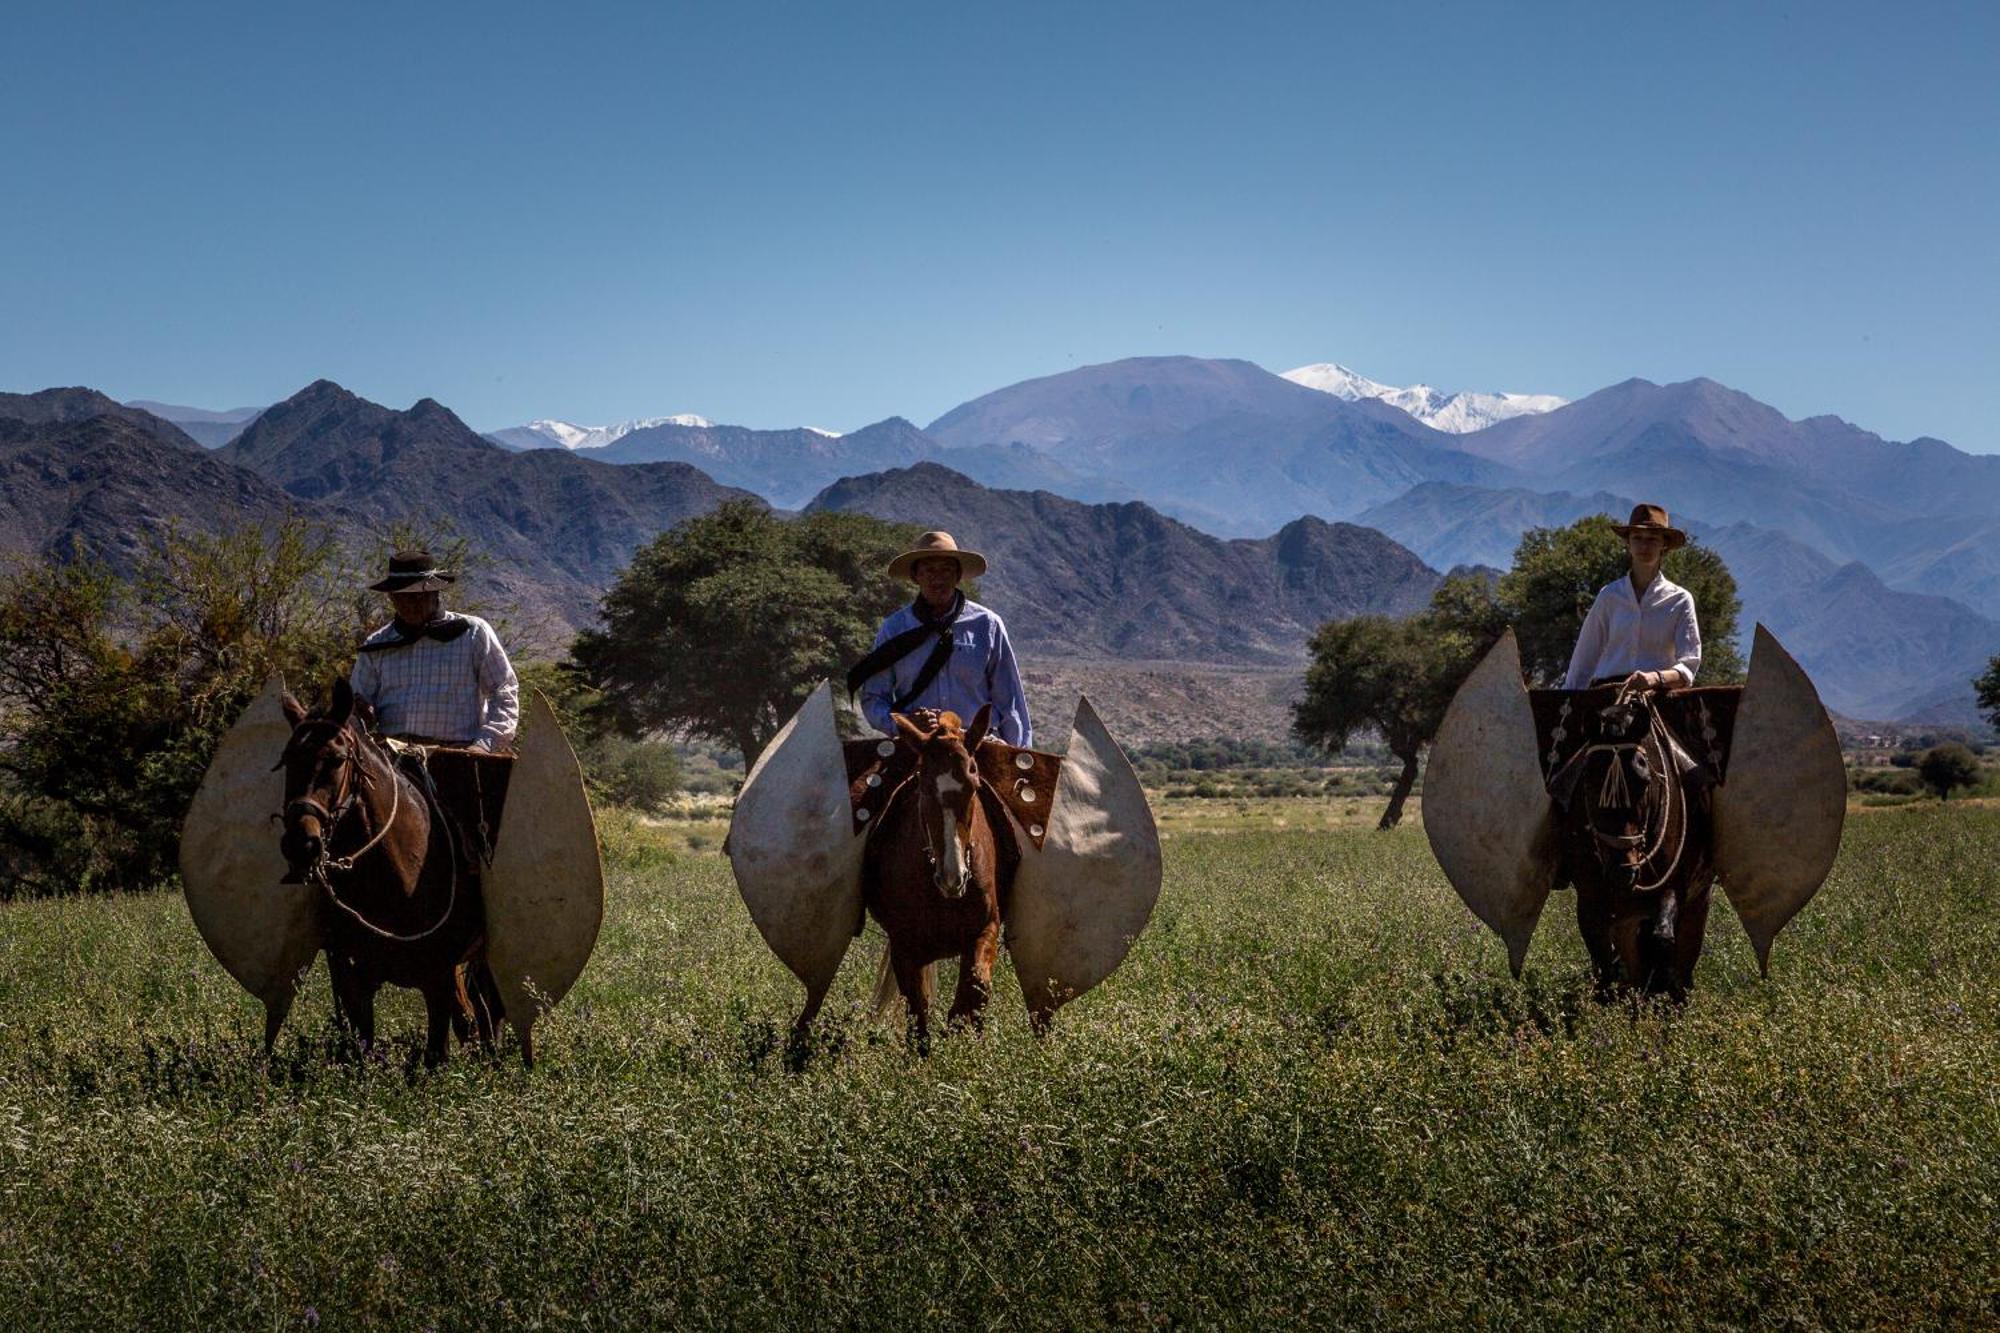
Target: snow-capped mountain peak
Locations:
point(1457, 413)
point(569, 435)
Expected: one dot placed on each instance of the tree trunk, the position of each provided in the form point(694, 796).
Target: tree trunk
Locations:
point(751, 746)
point(1394, 814)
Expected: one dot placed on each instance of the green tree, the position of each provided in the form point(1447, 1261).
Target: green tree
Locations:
point(1987, 688)
point(1557, 573)
point(1946, 768)
point(114, 692)
point(1392, 677)
point(638, 772)
point(720, 627)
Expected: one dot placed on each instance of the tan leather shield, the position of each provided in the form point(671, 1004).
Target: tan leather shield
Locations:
point(1486, 811)
point(1083, 897)
point(545, 889)
point(793, 845)
point(265, 933)
point(1778, 812)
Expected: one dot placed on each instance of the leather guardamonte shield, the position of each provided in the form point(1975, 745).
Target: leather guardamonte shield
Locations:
point(544, 891)
point(1083, 896)
point(1486, 812)
point(1088, 876)
point(793, 846)
point(1779, 811)
point(265, 933)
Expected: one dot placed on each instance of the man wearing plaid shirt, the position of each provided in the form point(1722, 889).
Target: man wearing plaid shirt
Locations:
point(434, 676)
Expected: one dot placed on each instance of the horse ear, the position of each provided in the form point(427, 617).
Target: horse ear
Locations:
point(295, 712)
point(343, 702)
point(982, 722)
point(909, 730)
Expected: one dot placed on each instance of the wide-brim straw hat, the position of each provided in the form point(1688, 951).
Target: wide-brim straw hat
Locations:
point(971, 564)
point(413, 571)
point(1651, 518)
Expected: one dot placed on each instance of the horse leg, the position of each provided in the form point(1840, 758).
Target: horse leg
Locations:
point(1687, 940)
point(353, 1001)
point(440, 1006)
point(975, 980)
point(914, 980)
point(1593, 921)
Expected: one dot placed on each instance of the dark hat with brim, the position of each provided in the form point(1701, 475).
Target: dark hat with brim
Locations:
point(938, 545)
point(1651, 518)
point(413, 571)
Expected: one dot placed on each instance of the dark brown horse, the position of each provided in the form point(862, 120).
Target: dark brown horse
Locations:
point(932, 874)
point(1637, 842)
point(402, 887)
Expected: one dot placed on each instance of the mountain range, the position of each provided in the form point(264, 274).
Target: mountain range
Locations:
point(1878, 562)
point(1454, 413)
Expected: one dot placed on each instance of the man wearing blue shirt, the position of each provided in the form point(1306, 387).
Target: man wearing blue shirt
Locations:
point(941, 652)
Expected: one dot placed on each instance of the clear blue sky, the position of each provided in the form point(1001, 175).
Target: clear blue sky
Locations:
point(824, 213)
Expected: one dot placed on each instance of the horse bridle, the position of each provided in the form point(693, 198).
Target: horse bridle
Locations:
point(927, 789)
point(322, 869)
point(1615, 794)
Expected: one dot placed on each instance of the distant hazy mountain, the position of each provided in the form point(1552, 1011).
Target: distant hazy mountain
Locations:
point(1224, 445)
point(553, 527)
point(1452, 525)
point(1454, 413)
point(566, 435)
point(212, 429)
point(1123, 580)
point(112, 482)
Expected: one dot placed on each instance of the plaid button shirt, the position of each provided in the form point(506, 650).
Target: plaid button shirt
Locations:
point(462, 692)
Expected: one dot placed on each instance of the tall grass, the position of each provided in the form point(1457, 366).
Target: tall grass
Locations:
point(1311, 1095)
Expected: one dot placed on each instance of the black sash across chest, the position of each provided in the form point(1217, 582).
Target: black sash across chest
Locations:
point(444, 631)
point(930, 625)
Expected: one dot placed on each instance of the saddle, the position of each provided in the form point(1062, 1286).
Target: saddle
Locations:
point(470, 787)
point(1701, 721)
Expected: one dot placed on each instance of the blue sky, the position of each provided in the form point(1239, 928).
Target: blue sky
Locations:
point(826, 214)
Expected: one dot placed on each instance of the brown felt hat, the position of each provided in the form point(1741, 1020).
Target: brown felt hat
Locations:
point(971, 564)
point(1651, 518)
point(413, 571)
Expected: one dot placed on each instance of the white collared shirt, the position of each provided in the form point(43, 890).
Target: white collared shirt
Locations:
point(463, 692)
point(1624, 633)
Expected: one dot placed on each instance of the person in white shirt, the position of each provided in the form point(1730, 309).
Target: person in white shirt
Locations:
point(1641, 631)
point(435, 676)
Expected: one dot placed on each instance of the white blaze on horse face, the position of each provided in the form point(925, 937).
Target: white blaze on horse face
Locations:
point(952, 872)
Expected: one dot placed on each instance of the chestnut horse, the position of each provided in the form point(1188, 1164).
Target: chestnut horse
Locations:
point(931, 874)
point(403, 903)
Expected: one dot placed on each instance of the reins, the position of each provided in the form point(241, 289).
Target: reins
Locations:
point(320, 871)
point(1615, 793)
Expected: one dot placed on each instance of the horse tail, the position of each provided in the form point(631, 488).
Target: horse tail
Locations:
point(887, 992)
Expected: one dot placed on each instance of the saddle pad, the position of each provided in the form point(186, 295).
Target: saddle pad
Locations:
point(1702, 719)
point(1024, 780)
point(472, 787)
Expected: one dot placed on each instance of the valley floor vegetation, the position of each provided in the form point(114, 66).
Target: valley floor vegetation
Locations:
point(1312, 1095)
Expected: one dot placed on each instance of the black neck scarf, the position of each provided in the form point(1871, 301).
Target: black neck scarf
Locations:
point(444, 629)
point(930, 625)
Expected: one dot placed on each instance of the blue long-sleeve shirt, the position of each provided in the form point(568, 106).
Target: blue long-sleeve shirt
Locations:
point(981, 670)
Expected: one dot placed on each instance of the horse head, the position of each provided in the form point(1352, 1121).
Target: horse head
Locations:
point(947, 786)
point(324, 778)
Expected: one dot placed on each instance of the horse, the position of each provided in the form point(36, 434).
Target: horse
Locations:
point(932, 875)
point(1637, 841)
point(402, 889)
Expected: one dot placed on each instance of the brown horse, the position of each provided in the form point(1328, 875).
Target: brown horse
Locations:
point(402, 889)
point(1633, 810)
point(932, 874)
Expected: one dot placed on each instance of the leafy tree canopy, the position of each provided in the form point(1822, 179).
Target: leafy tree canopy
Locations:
point(1988, 690)
point(1947, 768)
point(721, 626)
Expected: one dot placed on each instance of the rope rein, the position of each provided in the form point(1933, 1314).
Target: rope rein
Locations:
point(320, 871)
point(1664, 796)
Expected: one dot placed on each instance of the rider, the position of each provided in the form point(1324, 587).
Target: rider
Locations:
point(433, 676)
point(941, 651)
point(1641, 630)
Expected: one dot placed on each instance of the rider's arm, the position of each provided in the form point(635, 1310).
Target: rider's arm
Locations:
point(1003, 683)
point(499, 691)
point(879, 690)
point(1687, 644)
point(1589, 648)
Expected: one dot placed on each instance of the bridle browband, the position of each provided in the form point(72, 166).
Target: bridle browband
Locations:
point(320, 872)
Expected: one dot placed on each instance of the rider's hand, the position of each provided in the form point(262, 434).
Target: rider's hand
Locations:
point(1642, 682)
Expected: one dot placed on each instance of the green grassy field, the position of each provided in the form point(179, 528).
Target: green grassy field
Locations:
point(1311, 1095)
